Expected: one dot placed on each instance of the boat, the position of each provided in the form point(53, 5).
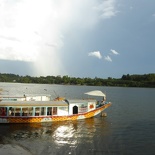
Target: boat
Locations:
point(39, 109)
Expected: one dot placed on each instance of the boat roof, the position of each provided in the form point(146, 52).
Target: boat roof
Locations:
point(80, 101)
point(44, 103)
point(33, 103)
point(96, 93)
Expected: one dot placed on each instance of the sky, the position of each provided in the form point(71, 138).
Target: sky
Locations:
point(78, 38)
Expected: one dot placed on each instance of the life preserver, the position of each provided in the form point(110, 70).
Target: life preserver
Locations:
point(91, 106)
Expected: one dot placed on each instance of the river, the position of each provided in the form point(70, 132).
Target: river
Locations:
point(128, 129)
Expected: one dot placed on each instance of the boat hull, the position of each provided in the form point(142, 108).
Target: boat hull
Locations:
point(41, 119)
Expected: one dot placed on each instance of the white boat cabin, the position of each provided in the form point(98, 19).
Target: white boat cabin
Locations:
point(81, 106)
point(45, 108)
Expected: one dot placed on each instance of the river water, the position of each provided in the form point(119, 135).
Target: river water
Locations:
point(128, 129)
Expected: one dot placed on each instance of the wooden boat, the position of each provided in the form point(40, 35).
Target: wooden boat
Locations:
point(37, 109)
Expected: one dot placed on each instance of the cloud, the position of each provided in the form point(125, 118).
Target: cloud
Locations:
point(96, 54)
point(114, 52)
point(107, 9)
point(35, 30)
point(9, 38)
point(108, 58)
point(99, 56)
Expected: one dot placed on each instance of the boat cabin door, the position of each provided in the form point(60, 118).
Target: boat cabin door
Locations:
point(75, 110)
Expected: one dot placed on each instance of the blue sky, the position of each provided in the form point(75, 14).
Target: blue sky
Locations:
point(78, 38)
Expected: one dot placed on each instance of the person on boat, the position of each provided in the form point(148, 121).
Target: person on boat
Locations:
point(10, 111)
point(103, 101)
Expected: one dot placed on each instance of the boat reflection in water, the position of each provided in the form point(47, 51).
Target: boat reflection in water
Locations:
point(59, 137)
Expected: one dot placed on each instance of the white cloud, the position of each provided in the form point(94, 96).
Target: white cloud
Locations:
point(96, 54)
point(107, 9)
point(34, 30)
point(108, 58)
point(114, 52)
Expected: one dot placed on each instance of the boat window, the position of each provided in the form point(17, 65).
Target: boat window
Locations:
point(24, 111)
point(12, 111)
point(37, 111)
point(43, 111)
point(17, 111)
point(27, 111)
point(49, 111)
point(54, 110)
point(3, 111)
point(30, 110)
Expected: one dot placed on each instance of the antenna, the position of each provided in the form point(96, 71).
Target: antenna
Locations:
point(56, 93)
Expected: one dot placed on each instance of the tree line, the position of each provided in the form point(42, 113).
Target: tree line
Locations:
point(146, 80)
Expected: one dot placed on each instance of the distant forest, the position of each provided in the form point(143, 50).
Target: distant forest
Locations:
point(146, 80)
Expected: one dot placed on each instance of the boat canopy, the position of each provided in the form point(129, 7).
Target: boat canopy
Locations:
point(96, 93)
